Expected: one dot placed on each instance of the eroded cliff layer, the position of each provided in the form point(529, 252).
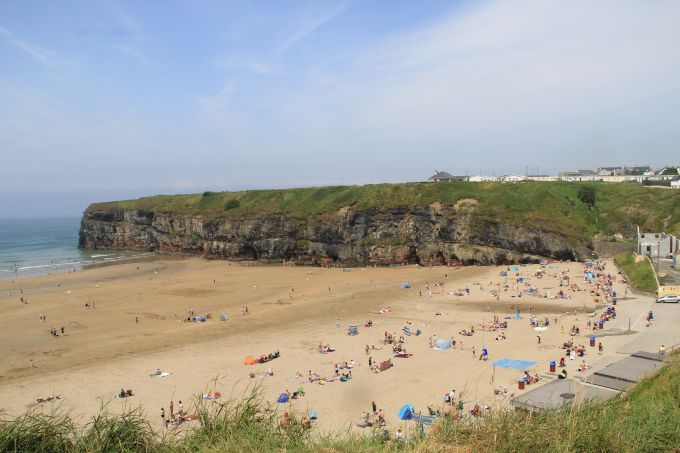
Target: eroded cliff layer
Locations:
point(434, 234)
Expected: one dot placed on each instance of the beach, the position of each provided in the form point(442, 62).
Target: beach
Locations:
point(138, 325)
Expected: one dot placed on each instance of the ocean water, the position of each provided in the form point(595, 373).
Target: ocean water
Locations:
point(31, 247)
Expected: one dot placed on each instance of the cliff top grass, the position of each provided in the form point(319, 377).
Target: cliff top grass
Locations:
point(571, 209)
point(644, 419)
point(640, 273)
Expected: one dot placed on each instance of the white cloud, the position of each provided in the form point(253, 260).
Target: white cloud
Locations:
point(133, 52)
point(32, 50)
point(308, 24)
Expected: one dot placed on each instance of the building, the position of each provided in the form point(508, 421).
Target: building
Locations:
point(655, 244)
point(542, 178)
point(610, 171)
point(512, 178)
point(577, 175)
point(482, 179)
point(644, 170)
point(442, 176)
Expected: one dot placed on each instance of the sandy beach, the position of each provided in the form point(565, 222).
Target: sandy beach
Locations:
point(138, 325)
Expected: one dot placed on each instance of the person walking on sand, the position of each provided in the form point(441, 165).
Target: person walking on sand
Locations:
point(172, 410)
point(163, 415)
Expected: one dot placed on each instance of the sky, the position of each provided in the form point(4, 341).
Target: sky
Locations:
point(103, 100)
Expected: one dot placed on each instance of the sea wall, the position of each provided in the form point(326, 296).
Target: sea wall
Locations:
point(434, 234)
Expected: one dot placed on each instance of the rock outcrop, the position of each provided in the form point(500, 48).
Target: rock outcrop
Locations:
point(434, 234)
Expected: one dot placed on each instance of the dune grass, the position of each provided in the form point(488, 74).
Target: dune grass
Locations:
point(645, 419)
point(640, 273)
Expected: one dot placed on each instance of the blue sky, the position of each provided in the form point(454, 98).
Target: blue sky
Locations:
point(110, 99)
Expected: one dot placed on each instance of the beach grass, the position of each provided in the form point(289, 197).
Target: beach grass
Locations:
point(640, 273)
point(645, 419)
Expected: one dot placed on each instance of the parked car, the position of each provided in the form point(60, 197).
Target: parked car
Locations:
point(669, 299)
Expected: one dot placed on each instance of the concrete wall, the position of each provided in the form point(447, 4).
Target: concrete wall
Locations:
point(666, 290)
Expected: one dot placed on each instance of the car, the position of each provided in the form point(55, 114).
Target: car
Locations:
point(669, 299)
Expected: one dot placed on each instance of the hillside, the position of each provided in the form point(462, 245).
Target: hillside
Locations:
point(385, 223)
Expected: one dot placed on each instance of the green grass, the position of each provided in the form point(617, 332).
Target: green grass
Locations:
point(645, 419)
point(641, 274)
point(550, 206)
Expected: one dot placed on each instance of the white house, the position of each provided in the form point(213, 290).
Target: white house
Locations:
point(482, 179)
point(542, 178)
point(512, 178)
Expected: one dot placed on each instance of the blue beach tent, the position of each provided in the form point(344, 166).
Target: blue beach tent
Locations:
point(283, 398)
point(406, 412)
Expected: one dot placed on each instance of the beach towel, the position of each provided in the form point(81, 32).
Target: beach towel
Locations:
point(387, 364)
point(514, 364)
point(442, 344)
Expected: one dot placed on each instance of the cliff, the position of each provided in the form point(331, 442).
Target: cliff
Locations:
point(403, 223)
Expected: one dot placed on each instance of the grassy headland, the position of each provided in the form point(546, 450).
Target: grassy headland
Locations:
point(640, 273)
point(645, 419)
point(575, 210)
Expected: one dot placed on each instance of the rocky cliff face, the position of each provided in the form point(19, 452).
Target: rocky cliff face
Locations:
point(427, 235)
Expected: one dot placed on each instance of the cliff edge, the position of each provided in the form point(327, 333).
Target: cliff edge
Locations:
point(439, 223)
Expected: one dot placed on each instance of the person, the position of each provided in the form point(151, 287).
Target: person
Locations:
point(599, 347)
point(374, 407)
point(172, 409)
point(563, 374)
point(398, 435)
point(163, 414)
point(662, 350)
point(181, 407)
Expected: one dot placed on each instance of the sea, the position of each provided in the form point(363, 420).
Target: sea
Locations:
point(33, 247)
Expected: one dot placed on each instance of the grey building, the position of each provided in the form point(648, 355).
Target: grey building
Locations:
point(655, 244)
point(442, 176)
